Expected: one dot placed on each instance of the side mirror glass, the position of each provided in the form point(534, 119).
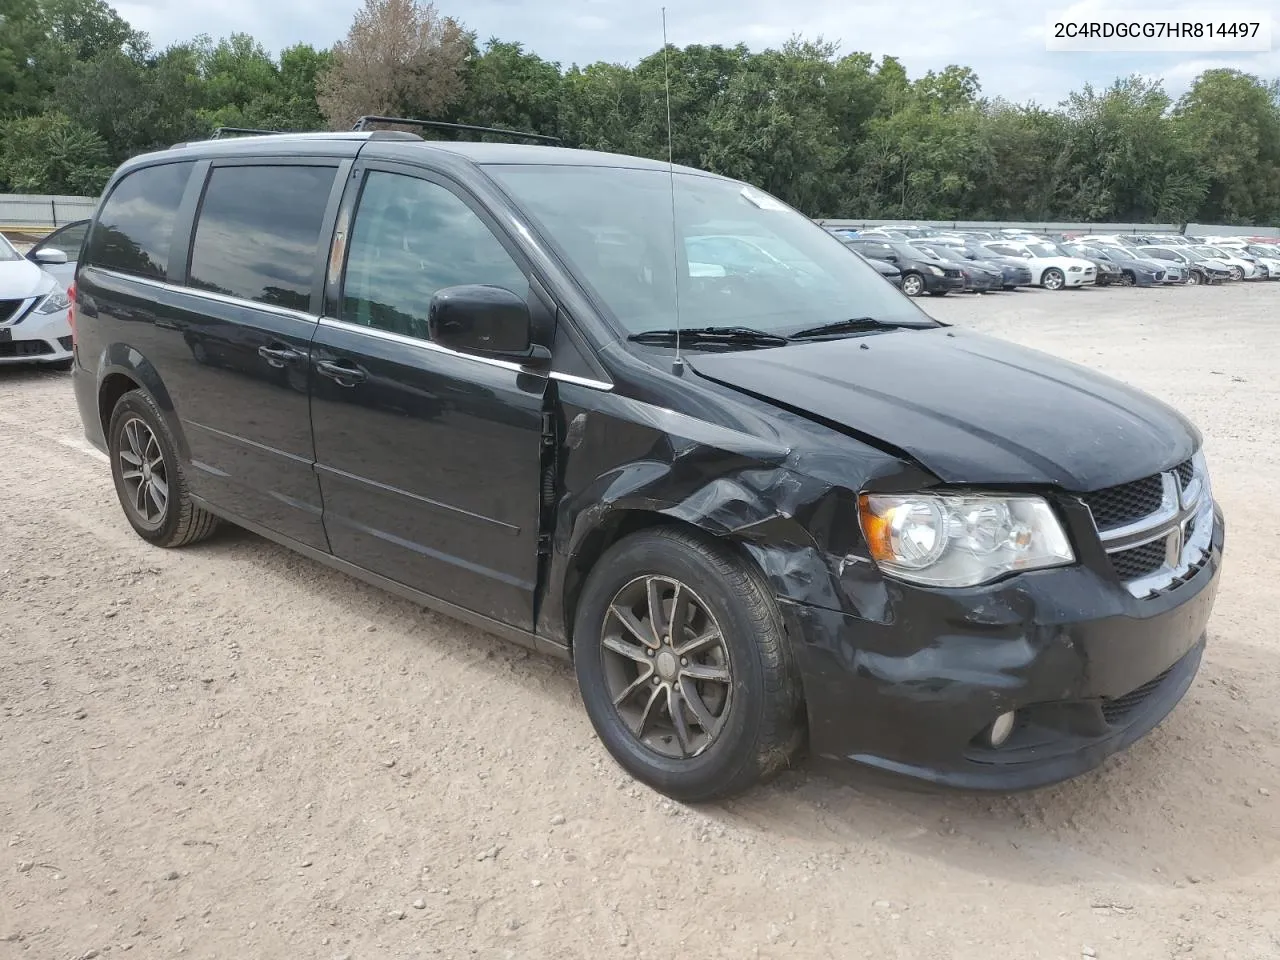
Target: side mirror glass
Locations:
point(485, 320)
point(51, 255)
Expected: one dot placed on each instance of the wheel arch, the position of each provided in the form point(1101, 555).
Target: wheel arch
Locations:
point(122, 369)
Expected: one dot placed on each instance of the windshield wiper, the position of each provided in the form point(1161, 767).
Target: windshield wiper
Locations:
point(855, 325)
point(747, 336)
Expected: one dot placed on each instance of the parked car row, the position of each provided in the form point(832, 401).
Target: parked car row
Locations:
point(937, 262)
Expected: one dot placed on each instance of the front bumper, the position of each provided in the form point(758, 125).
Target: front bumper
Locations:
point(1081, 278)
point(935, 284)
point(36, 338)
point(910, 687)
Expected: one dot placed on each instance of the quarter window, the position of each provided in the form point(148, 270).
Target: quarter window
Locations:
point(135, 226)
point(258, 235)
point(410, 239)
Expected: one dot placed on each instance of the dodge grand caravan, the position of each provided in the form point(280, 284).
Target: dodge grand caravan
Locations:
point(760, 509)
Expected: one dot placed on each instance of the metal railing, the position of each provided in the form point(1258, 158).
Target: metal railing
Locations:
point(34, 213)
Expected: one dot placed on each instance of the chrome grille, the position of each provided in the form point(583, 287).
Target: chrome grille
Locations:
point(1157, 531)
point(1117, 506)
point(1140, 561)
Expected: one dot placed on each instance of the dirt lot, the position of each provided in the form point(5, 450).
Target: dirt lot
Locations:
point(229, 751)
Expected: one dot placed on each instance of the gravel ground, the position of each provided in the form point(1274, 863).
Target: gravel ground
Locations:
point(229, 750)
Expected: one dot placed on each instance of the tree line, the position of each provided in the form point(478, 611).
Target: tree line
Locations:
point(835, 135)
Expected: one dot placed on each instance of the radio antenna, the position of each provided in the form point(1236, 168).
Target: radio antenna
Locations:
point(677, 363)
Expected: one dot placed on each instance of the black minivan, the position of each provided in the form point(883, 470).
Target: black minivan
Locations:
point(761, 509)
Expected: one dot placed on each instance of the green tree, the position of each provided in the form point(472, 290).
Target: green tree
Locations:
point(1229, 126)
point(51, 153)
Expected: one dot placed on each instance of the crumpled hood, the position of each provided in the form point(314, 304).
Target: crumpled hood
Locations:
point(969, 408)
point(20, 279)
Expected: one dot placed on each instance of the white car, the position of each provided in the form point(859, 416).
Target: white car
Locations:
point(1266, 255)
point(1049, 269)
point(34, 327)
point(1241, 269)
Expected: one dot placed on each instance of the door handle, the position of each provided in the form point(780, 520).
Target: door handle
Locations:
point(344, 373)
point(278, 356)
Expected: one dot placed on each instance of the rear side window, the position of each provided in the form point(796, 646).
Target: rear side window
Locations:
point(133, 231)
point(411, 238)
point(258, 233)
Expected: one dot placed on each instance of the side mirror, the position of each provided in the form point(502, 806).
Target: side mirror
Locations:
point(51, 256)
point(484, 320)
point(891, 257)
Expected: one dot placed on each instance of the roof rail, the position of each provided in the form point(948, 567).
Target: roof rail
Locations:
point(241, 132)
point(364, 122)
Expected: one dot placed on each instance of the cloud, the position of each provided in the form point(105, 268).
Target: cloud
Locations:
point(1003, 40)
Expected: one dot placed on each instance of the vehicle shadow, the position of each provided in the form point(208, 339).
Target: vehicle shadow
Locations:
point(1181, 806)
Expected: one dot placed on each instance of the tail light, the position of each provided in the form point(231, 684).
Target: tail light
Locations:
point(71, 313)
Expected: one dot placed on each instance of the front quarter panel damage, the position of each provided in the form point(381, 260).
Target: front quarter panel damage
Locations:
point(768, 487)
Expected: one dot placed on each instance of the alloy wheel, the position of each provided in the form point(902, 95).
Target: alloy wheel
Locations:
point(1193, 277)
point(143, 472)
point(1053, 279)
point(912, 285)
point(667, 666)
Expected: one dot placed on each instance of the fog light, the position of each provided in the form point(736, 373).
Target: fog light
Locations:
point(1001, 727)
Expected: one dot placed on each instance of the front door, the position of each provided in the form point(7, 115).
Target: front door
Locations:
point(428, 459)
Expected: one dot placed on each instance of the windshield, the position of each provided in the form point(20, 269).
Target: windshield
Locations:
point(923, 251)
point(1211, 252)
point(743, 258)
point(6, 250)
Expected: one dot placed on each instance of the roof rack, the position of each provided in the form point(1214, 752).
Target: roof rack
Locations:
point(241, 132)
point(363, 123)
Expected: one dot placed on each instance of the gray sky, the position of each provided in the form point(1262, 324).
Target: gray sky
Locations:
point(1003, 40)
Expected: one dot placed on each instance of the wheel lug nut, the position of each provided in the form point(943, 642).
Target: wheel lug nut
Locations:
point(648, 652)
point(656, 681)
point(684, 661)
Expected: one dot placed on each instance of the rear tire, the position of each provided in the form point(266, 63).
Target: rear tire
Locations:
point(721, 665)
point(148, 476)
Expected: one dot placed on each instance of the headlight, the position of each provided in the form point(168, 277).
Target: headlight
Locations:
point(953, 540)
point(1074, 269)
point(53, 302)
point(932, 269)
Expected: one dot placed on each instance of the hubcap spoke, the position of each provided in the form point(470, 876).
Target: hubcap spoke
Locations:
point(130, 474)
point(140, 499)
point(131, 458)
point(657, 622)
point(678, 722)
point(159, 492)
point(628, 650)
point(706, 671)
point(679, 614)
point(698, 708)
point(639, 682)
point(633, 626)
point(646, 715)
point(699, 642)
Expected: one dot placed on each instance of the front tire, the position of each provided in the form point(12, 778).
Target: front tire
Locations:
point(1053, 279)
point(148, 476)
point(912, 284)
point(1237, 273)
point(1193, 278)
point(684, 666)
